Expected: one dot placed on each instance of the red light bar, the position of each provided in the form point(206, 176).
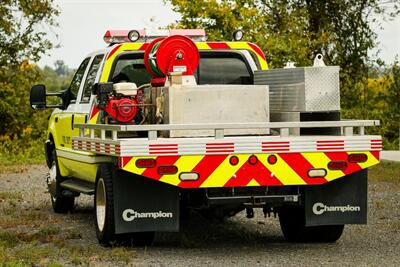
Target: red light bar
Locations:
point(121, 36)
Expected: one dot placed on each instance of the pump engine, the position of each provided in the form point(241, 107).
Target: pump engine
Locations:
point(122, 102)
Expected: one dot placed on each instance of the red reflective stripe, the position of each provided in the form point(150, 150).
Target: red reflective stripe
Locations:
point(376, 154)
point(301, 166)
point(125, 161)
point(163, 145)
point(95, 110)
point(153, 149)
point(220, 151)
point(113, 51)
point(330, 141)
point(204, 168)
point(257, 50)
point(248, 172)
point(163, 160)
point(220, 144)
point(275, 143)
point(217, 45)
point(144, 46)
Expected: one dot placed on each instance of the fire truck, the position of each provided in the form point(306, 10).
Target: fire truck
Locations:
point(161, 124)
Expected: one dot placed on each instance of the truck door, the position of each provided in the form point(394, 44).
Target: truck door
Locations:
point(63, 120)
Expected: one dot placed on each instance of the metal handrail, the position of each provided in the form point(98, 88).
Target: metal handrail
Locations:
point(152, 129)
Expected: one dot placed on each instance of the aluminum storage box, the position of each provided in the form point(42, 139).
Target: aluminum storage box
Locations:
point(303, 89)
point(214, 104)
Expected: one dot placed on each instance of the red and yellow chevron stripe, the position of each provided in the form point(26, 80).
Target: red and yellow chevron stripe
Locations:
point(200, 45)
point(217, 171)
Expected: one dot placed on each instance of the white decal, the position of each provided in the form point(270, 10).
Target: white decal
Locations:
point(129, 215)
point(319, 208)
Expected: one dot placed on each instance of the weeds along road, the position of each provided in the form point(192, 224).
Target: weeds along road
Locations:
point(31, 233)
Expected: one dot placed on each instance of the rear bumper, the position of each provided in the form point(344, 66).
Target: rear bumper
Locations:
point(215, 171)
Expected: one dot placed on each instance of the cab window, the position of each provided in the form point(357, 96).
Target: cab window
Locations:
point(223, 68)
point(130, 67)
point(90, 78)
point(77, 79)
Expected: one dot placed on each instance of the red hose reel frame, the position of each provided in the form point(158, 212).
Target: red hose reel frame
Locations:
point(174, 52)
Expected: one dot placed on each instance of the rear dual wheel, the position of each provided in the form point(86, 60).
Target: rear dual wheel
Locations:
point(292, 221)
point(104, 213)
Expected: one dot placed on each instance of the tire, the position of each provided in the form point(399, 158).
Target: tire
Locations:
point(104, 213)
point(292, 221)
point(60, 203)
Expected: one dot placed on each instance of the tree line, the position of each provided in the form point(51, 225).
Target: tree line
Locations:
point(287, 30)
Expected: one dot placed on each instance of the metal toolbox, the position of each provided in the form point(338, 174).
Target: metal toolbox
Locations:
point(213, 104)
point(303, 89)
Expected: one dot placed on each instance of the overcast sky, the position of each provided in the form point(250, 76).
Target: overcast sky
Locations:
point(82, 24)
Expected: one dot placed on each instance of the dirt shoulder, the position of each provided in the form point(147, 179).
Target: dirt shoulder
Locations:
point(30, 233)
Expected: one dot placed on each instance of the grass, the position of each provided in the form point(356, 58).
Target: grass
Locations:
point(15, 156)
point(385, 171)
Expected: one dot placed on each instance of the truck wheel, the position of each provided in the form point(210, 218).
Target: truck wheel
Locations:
point(292, 221)
point(104, 213)
point(104, 206)
point(60, 203)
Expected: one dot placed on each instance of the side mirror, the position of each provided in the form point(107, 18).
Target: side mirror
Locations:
point(38, 97)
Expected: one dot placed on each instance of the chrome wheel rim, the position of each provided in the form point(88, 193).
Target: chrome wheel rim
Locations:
point(100, 204)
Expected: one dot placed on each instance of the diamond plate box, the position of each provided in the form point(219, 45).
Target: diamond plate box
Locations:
point(303, 89)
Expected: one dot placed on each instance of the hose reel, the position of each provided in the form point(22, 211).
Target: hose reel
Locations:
point(172, 54)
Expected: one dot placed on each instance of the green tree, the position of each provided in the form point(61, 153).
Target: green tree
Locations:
point(298, 30)
point(23, 38)
point(23, 25)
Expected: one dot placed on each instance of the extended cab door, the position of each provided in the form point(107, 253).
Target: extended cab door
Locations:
point(77, 163)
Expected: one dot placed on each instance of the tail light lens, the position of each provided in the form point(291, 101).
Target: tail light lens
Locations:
point(170, 169)
point(145, 163)
point(189, 176)
point(317, 173)
point(272, 159)
point(253, 160)
point(357, 158)
point(234, 160)
point(337, 165)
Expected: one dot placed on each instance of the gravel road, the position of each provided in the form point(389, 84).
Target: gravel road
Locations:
point(28, 223)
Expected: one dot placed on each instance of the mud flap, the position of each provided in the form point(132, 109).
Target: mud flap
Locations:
point(342, 201)
point(144, 205)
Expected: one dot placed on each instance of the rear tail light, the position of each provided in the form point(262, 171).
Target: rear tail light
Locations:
point(253, 160)
point(272, 159)
point(189, 176)
point(145, 163)
point(317, 173)
point(170, 169)
point(357, 158)
point(234, 160)
point(337, 165)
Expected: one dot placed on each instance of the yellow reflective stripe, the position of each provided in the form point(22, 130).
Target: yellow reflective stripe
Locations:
point(184, 164)
point(93, 120)
point(320, 160)
point(202, 46)
point(253, 183)
point(245, 45)
point(131, 166)
point(370, 161)
point(284, 173)
point(224, 172)
point(109, 62)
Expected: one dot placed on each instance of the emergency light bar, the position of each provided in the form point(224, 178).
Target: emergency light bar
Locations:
point(123, 36)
